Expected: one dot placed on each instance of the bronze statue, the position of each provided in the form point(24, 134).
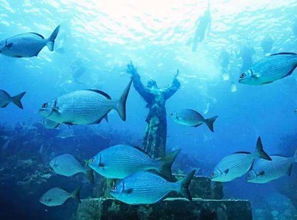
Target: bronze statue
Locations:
point(156, 131)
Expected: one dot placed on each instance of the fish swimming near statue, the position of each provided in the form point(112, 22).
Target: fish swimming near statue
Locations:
point(120, 161)
point(264, 171)
point(5, 99)
point(27, 44)
point(83, 107)
point(193, 118)
point(67, 165)
point(149, 188)
point(237, 164)
point(270, 69)
point(57, 196)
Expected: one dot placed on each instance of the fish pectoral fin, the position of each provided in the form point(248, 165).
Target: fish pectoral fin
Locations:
point(56, 110)
point(256, 76)
point(5, 105)
point(290, 170)
point(9, 45)
point(128, 191)
point(262, 173)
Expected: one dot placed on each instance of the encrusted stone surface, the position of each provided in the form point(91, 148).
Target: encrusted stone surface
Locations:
point(169, 209)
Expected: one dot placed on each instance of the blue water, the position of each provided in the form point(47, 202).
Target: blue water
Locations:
point(99, 38)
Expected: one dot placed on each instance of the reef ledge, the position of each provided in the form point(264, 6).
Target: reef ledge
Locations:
point(169, 209)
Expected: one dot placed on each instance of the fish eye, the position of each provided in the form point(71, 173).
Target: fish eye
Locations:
point(242, 75)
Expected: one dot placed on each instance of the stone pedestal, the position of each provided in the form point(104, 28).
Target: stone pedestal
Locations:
point(169, 209)
point(207, 204)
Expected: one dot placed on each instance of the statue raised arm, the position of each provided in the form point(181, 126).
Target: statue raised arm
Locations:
point(173, 88)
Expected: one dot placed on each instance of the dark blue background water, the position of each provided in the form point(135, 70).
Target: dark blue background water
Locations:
point(98, 39)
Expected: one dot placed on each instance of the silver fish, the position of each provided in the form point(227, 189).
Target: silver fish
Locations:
point(57, 196)
point(237, 164)
point(270, 69)
point(5, 99)
point(84, 107)
point(264, 171)
point(67, 165)
point(149, 188)
point(193, 118)
point(27, 44)
point(120, 161)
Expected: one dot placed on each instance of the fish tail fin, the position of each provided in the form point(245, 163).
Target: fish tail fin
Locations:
point(295, 156)
point(90, 175)
point(76, 194)
point(51, 40)
point(166, 164)
point(210, 121)
point(260, 150)
point(17, 100)
point(185, 183)
point(121, 104)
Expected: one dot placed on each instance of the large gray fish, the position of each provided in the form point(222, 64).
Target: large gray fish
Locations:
point(83, 107)
point(57, 196)
point(270, 69)
point(67, 165)
point(237, 164)
point(27, 44)
point(5, 99)
point(148, 188)
point(193, 118)
point(264, 171)
point(120, 161)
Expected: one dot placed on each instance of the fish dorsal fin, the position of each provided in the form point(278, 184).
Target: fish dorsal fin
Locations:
point(283, 53)
point(39, 35)
point(100, 92)
point(242, 152)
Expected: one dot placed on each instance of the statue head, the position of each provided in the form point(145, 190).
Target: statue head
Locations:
point(152, 84)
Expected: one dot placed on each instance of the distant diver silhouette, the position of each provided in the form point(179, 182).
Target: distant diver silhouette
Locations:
point(202, 28)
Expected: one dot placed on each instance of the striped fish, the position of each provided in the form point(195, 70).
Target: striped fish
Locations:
point(237, 164)
point(148, 188)
point(83, 107)
point(120, 161)
point(27, 44)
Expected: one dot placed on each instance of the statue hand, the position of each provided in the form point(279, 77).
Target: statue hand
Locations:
point(177, 73)
point(131, 69)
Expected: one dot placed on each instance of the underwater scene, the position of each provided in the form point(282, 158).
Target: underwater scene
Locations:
point(146, 109)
